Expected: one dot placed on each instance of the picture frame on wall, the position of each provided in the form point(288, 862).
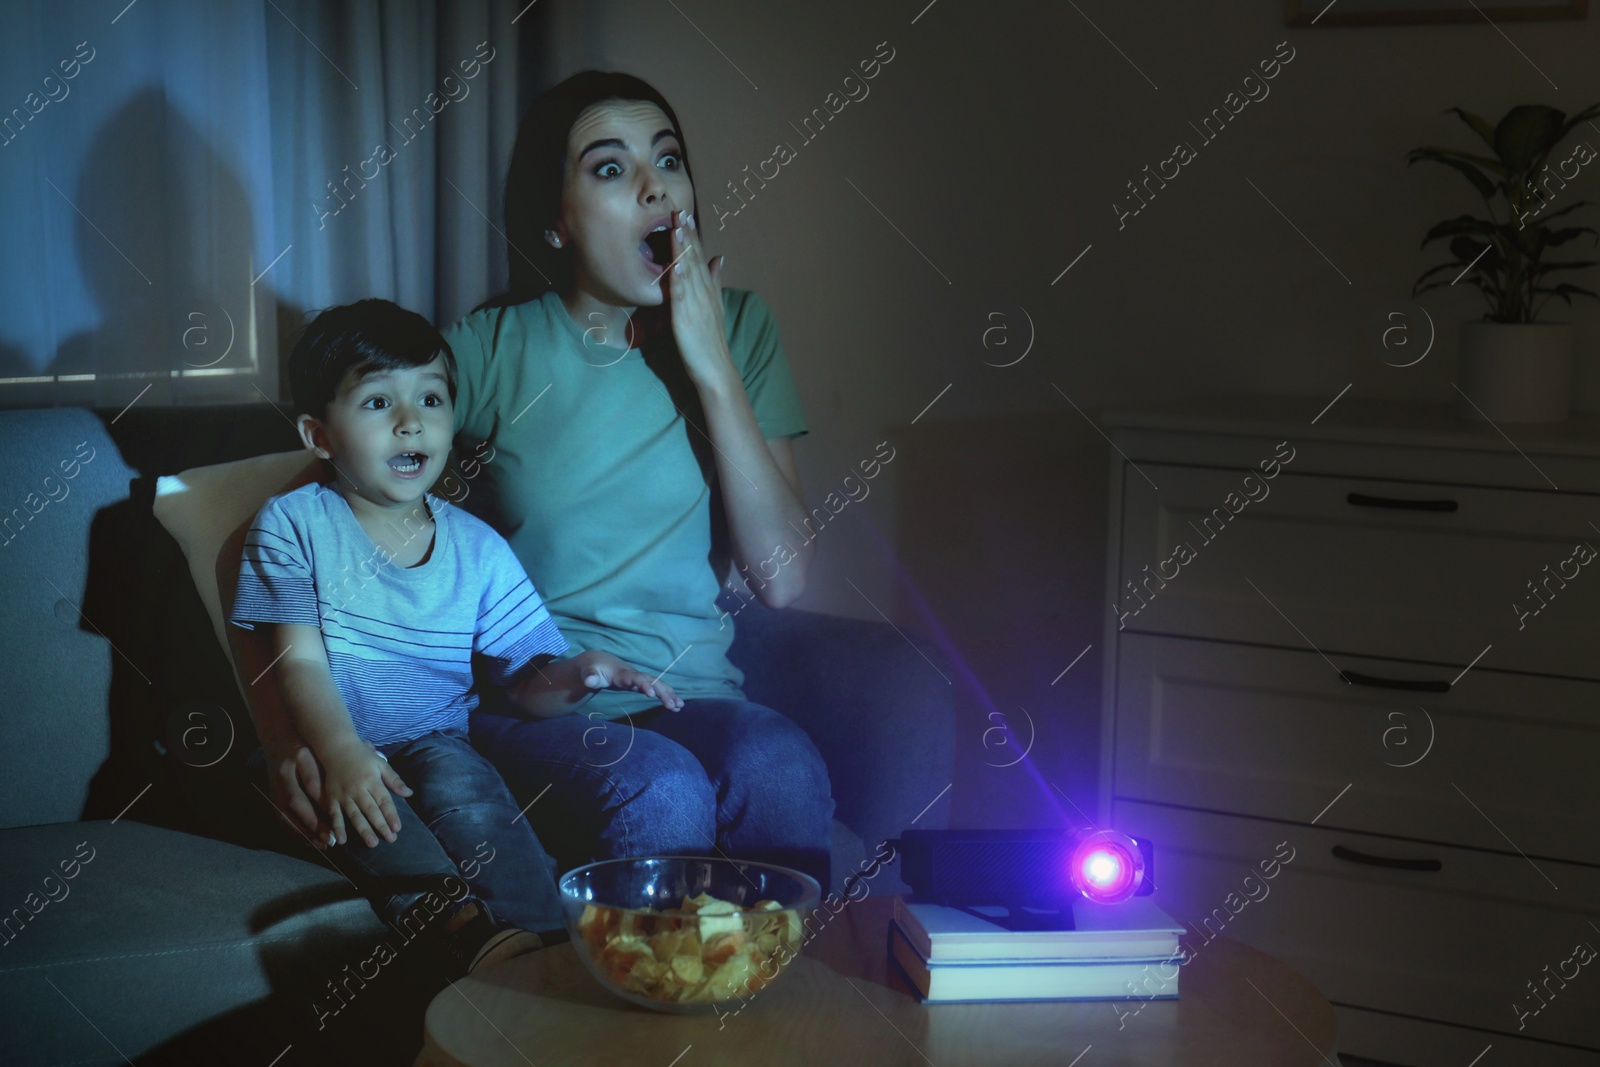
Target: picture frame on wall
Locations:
point(1402, 12)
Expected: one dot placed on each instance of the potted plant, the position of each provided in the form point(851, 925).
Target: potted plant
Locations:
point(1513, 368)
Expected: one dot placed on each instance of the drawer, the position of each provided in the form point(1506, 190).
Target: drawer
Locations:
point(1399, 1039)
point(1278, 733)
point(1457, 945)
point(1407, 581)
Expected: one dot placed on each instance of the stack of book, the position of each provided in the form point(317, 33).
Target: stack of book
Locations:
point(1114, 952)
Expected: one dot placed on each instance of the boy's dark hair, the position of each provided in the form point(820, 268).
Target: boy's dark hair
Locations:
point(536, 176)
point(367, 336)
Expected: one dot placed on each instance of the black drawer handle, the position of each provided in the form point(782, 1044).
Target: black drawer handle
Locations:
point(1384, 861)
point(1364, 500)
point(1415, 685)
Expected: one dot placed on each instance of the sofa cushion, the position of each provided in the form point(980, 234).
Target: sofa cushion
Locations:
point(148, 932)
point(208, 509)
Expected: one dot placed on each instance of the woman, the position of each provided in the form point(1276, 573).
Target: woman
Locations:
point(630, 426)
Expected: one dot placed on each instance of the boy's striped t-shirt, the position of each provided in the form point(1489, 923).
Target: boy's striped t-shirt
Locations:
point(399, 640)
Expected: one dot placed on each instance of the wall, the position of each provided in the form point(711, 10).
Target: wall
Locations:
point(931, 221)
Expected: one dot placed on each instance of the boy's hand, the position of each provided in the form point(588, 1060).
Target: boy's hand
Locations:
point(602, 670)
point(356, 782)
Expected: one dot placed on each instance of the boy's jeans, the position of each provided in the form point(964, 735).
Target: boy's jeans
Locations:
point(719, 776)
point(460, 833)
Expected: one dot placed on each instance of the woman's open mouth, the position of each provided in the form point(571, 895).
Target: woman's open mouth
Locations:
point(408, 464)
point(656, 247)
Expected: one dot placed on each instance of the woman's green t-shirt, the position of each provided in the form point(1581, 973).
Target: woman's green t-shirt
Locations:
point(594, 464)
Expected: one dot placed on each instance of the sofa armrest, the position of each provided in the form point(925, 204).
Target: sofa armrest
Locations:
point(882, 715)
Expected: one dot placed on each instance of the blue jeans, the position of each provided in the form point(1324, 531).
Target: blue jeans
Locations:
point(718, 776)
point(460, 836)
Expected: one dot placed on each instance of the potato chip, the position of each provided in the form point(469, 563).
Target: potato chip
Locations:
point(707, 950)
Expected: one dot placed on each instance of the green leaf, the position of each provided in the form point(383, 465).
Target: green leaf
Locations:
point(1567, 291)
point(1467, 250)
point(1539, 269)
point(1479, 125)
point(1525, 133)
point(1485, 187)
point(1528, 241)
point(1561, 237)
point(1483, 285)
point(1570, 207)
point(1592, 111)
point(1459, 224)
point(1451, 269)
point(1454, 273)
point(1437, 152)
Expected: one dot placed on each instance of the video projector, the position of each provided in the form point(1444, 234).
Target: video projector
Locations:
point(1035, 874)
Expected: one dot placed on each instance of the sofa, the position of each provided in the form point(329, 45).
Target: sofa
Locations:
point(152, 908)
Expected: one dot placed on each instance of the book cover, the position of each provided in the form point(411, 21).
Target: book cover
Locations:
point(1134, 928)
point(1154, 978)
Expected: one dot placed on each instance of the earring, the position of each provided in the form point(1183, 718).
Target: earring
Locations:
point(550, 235)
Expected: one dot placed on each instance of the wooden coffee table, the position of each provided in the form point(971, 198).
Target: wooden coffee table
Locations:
point(842, 1002)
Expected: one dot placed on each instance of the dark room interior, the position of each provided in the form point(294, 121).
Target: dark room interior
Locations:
point(893, 533)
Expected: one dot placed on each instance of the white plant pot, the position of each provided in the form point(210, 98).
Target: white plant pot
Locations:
point(1514, 371)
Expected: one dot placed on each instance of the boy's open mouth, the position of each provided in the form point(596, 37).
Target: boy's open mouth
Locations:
point(408, 463)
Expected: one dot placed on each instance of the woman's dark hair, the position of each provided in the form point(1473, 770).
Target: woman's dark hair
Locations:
point(538, 169)
point(369, 335)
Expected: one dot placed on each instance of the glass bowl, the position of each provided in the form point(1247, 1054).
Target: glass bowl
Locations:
point(686, 934)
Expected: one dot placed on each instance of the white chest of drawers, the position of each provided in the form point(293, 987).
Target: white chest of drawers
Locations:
point(1386, 655)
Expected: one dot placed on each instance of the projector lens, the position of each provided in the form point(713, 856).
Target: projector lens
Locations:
point(1107, 867)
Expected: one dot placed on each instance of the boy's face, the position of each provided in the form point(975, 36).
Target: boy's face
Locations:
point(387, 433)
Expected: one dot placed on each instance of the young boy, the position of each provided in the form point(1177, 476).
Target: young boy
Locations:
point(379, 597)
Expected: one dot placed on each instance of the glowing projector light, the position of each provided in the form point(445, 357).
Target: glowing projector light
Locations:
point(1107, 867)
point(1025, 870)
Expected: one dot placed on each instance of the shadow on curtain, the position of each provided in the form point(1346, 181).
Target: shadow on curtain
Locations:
point(185, 181)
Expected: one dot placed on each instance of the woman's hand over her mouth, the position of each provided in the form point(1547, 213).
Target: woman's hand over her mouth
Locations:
point(694, 296)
